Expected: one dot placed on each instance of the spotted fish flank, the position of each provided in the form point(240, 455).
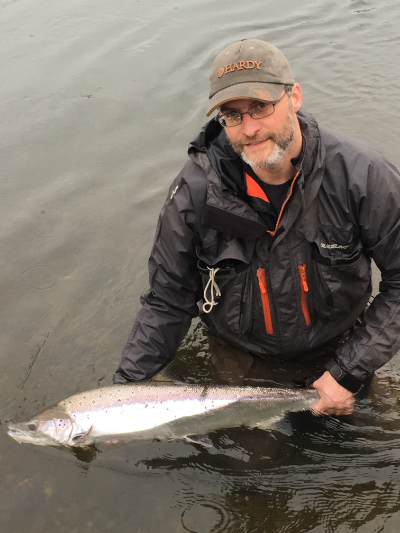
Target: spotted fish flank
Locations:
point(151, 409)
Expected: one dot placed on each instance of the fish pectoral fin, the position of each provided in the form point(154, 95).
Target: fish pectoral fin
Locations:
point(80, 437)
point(203, 440)
point(276, 423)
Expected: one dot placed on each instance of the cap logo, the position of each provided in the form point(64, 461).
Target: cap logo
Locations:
point(241, 65)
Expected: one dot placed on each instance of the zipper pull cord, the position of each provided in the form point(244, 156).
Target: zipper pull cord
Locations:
point(214, 291)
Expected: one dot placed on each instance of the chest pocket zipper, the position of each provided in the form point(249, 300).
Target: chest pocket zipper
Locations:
point(265, 300)
point(304, 291)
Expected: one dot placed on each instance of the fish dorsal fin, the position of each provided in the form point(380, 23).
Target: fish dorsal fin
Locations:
point(168, 373)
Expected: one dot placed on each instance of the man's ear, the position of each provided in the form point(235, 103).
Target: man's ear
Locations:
point(297, 97)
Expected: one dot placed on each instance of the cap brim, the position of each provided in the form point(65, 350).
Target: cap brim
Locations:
point(267, 92)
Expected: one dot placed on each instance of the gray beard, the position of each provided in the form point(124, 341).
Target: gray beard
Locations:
point(281, 144)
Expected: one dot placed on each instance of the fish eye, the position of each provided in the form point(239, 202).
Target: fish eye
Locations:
point(32, 427)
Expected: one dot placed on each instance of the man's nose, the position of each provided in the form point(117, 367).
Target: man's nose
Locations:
point(249, 125)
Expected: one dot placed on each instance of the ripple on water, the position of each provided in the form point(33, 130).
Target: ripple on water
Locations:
point(39, 277)
point(207, 516)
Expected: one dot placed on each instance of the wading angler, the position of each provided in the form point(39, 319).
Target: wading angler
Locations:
point(268, 233)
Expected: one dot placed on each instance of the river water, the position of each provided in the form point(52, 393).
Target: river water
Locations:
point(99, 100)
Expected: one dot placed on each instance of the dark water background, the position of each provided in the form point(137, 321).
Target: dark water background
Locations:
point(99, 100)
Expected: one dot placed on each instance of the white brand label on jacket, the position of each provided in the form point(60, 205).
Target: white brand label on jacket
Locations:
point(338, 246)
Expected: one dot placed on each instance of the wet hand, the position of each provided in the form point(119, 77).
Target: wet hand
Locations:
point(333, 398)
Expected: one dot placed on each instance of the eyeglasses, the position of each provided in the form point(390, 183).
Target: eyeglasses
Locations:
point(257, 111)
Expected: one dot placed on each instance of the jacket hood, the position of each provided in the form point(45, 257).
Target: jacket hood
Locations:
point(227, 163)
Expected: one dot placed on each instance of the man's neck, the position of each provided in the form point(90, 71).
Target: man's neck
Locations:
point(275, 175)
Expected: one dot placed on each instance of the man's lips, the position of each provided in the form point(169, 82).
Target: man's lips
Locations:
point(255, 144)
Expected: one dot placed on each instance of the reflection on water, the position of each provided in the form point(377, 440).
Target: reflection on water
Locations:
point(328, 472)
point(337, 474)
point(99, 101)
point(311, 474)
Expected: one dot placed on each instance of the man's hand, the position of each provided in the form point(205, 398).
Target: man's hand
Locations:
point(334, 399)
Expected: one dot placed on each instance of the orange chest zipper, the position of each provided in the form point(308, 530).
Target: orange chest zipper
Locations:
point(304, 291)
point(265, 300)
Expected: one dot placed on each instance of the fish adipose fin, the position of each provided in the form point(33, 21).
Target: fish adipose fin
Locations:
point(203, 440)
point(169, 373)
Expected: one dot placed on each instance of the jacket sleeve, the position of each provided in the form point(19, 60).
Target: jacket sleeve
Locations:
point(170, 303)
point(378, 201)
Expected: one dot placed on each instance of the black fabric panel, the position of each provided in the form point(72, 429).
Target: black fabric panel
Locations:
point(231, 224)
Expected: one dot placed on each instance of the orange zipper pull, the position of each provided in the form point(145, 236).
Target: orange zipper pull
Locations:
point(262, 281)
point(262, 286)
point(304, 290)
point(302, 269)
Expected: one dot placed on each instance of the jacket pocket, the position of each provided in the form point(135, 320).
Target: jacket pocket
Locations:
point(226, 304)
point(340, 285)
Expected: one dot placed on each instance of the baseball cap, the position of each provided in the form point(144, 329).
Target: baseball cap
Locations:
point(248, 69)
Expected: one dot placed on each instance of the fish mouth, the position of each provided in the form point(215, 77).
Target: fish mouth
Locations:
point(17, 434)
point(13, 430)
point(21, 435)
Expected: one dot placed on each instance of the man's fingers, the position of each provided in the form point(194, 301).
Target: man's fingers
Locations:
point(322, 407)
point(333, 398)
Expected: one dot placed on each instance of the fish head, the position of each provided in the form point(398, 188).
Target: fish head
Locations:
point(52, 427)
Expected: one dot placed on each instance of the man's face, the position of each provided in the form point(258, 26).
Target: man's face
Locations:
point(262, 143)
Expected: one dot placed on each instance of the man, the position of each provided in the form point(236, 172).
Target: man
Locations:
point(269, 230)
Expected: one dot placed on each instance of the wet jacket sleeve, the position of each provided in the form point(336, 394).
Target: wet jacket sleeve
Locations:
point(170, 303)
point(378, 202)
